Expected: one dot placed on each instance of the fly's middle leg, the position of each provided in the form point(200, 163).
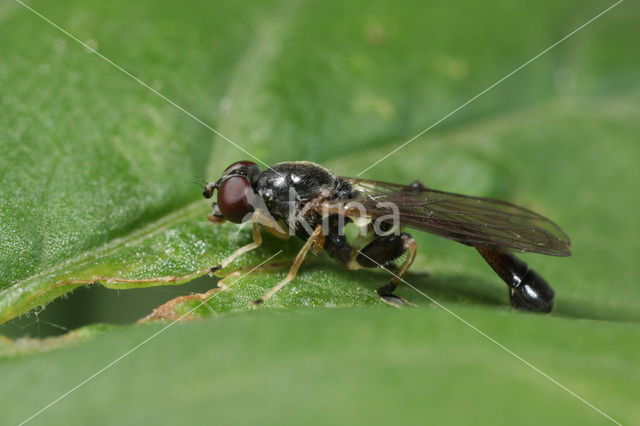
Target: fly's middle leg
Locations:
point(312, 242)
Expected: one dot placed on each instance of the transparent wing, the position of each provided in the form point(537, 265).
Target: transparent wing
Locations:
point(473, 221)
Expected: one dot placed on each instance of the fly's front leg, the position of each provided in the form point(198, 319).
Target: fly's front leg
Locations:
point(311, 242)
point(270, 225)
point(382, 251)
point(216, 216)
point(527, 290)
point(257, 241)
point(257, 218)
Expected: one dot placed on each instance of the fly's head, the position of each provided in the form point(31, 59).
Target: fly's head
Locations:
point(236, 192)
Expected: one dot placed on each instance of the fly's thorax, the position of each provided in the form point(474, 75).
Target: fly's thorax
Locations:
point(290, 185)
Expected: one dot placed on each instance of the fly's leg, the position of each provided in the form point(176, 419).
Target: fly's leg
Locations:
point(257, 241)
point(216, 216)
point(257, 218)
point(380, 252)
point(312, 241)
point(527, 290)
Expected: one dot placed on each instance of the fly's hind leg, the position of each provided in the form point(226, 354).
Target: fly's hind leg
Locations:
point(527, 290)
point(382, 251)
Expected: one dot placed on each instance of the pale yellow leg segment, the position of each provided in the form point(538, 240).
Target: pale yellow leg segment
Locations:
point(270, 225)
point(257, 241)
point(294, 268)
point(412, 248)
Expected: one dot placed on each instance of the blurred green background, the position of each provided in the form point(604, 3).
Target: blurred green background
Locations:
point(96, 179)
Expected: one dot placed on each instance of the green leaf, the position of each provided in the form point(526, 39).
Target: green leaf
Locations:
point(346, 366)
point(95, 173)
point(96, 167)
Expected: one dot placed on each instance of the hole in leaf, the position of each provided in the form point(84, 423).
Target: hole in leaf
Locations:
point(93, 304)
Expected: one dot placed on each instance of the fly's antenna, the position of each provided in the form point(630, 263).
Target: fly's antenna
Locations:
point(209, 188)
point(199, 181)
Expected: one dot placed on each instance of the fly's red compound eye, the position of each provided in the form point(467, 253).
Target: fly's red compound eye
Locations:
point(239, 165)
point(252, 170)
point(235, 197)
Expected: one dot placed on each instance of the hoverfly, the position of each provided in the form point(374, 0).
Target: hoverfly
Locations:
point(314, 204)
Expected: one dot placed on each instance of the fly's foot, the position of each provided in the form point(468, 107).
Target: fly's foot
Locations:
point(394, 300)
point(385, 293)
point(257, 302)
point(214, 269)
